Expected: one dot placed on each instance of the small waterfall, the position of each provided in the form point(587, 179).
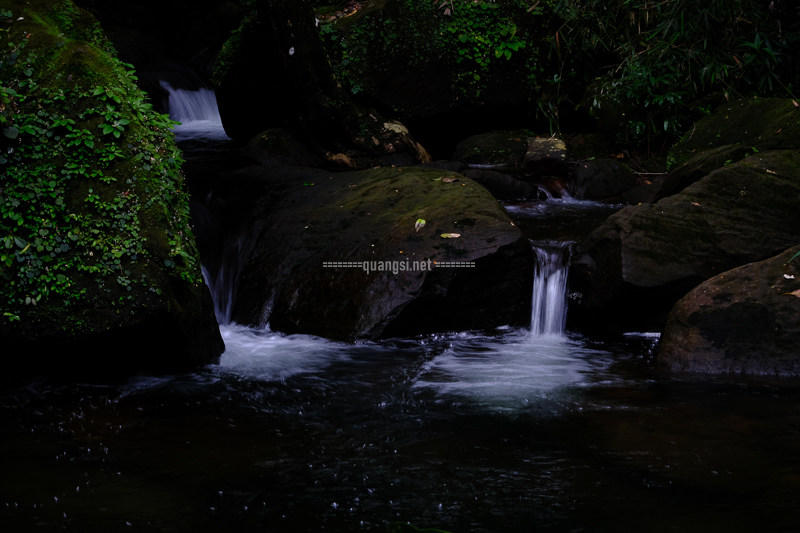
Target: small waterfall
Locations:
point(224, 246)
point(547, 194)
point(197, 111)
point(549, 301)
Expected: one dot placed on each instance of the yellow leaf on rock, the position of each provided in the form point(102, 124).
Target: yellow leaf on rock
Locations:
point(451, 235)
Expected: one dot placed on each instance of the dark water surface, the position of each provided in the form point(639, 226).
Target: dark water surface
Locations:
point(470, 432)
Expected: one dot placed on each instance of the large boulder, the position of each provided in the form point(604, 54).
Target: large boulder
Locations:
point(250, 95)
point(746, 320)
point(100, 266)
point(734, 131)
point(492, 149)
point(546, 156)
point(646, 257)
point(505, 187)
point(600, 179)
point(299, 219)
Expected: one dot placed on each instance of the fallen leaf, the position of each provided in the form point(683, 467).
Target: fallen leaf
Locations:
point(449, 180)
point(788, 276)
point(420, 223)
point(695, 203)
point(771, 172)
point(779, 131)
point(795, 103)
point(795, 293)
point(451, 235)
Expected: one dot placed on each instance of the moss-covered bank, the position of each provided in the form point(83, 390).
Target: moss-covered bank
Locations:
point(93, 216)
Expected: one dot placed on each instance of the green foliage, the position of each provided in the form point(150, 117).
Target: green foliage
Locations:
point(230, 50)
point(473, 36)
point(661, 57)
point(85, 169)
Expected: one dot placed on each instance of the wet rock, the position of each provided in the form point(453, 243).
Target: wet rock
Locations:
point(643, 194)
point(503, 186)
point(495, 148)
point(700, 165)
point(300, 218)
point(546, 156)
point(452, 166)
point(646, 257)
point(745, 321)
point(600, 179)
point(279, 147)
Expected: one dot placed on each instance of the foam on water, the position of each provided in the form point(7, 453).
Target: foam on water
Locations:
point(514, 373)
point(269, 356)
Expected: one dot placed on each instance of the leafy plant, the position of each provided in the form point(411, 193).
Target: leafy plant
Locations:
point(660, 57)
point(86, 167)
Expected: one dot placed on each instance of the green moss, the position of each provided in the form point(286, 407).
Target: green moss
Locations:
point(92, 207)
point(760, 123)
point(230, 50)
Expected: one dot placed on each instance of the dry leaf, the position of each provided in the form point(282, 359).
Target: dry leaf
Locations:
point(695, 203)
point(795, 293)
point(449, 180)
point(451, 235)
point(795, 103)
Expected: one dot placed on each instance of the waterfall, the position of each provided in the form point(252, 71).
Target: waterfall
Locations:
point(197, 112)
point(225, 244)
point(549, 301)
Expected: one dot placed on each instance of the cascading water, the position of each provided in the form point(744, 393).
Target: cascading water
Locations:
point(224, 245)
point(549, 301)
point(197, 112)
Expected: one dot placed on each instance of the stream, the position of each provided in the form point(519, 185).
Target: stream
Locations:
point(532, 429)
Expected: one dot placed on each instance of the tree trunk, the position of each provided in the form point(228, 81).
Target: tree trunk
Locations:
point(327, 116)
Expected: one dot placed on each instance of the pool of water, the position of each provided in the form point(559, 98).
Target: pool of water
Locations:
point(471, 432)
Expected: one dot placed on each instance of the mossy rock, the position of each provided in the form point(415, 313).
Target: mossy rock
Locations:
point(494, 148)
point(97, 256)
point(734, 131)
point(300, 218)
point(277, 146)
point(648, 256)
point(746, 320)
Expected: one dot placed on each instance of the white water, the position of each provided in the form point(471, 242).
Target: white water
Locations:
point(197, 112)
point(516, 372)
point(549, 300)
point(268, 356)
